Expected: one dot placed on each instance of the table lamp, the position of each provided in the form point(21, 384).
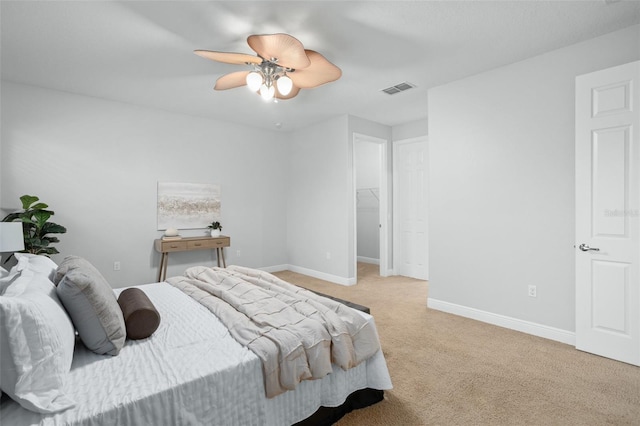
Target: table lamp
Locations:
point(11, 238)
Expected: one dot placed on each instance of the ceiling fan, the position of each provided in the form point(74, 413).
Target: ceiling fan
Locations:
point(282, 67)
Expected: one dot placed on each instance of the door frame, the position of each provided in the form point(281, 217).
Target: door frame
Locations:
point(396, 225)
point(385, 214)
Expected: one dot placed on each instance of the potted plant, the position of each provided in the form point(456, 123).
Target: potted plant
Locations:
point(215, 228)
point(36, 227)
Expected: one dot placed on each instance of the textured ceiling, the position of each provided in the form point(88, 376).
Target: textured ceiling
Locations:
point(142, 52)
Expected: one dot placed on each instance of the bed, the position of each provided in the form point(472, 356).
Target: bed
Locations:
point(192, 371)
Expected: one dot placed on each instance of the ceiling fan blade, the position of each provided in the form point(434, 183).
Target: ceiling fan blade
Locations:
point(232, 80)
point(320, 71)
point(292, 94)
point(229, 57)
point(288, 50)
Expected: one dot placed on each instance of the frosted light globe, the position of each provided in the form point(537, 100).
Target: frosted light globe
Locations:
point(254, 80)
point(267, 93)
point(285, 84)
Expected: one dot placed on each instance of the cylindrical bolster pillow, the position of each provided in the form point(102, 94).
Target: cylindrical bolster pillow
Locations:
point(140, 316)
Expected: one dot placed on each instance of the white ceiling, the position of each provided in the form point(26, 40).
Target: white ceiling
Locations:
point(141, 52)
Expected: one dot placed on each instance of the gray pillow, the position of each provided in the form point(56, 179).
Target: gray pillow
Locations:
point(91, 304)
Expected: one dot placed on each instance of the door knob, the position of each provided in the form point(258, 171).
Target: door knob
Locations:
point(585, 247)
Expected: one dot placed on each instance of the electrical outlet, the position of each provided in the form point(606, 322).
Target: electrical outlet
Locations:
point(237, 253)
point(328, 255)
point(533, 291)
point(116, 265)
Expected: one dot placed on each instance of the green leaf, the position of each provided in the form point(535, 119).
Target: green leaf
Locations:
point(53, 228)
point(11, 217)
point(27, 200)
point(40, 242)
point(30, 241)
point(40, 206)
point(41, 217)
point(26, 219)
point(48, 251)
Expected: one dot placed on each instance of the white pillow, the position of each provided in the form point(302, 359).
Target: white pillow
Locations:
point(38, 264)
point(8, 279)
point(30, 264)
point(36, 346)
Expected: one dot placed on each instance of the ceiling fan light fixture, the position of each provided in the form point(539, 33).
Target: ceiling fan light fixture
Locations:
point(267, 92)
point(281, 67)
point(285, 84)
point(254, 81)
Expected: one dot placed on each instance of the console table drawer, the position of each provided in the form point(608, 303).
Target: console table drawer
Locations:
point(221, 242)
point(174, 246)
point(198, 244)
point(208, 243)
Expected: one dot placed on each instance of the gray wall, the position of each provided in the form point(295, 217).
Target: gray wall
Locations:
point(97, 164)
point(501, 213)
point(317, 202)
point(410, 130)
point(287, 198)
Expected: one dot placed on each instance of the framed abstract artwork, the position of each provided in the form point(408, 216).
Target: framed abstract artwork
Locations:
point(187, 205)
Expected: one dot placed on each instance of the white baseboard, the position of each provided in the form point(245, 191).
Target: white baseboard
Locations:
point(322, 275)
point(528, 327)
point(275, 268)
point(387, 273)
point(312, 273)
point(368, 260)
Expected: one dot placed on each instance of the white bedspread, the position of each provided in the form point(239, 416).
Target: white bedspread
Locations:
point(297, 334)
point(190, 372)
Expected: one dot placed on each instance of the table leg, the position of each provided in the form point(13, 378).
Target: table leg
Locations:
point(162, 271)
point(220, 256)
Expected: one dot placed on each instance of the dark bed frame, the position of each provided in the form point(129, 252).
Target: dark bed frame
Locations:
point(326, 416)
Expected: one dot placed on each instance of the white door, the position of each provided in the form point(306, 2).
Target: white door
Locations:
point(410, 172)
point(608, 213)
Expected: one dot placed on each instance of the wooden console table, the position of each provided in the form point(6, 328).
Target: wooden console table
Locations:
point(188, 244)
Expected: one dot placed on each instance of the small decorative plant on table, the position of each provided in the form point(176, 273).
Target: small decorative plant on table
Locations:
point(215, 228)
point(36, 227)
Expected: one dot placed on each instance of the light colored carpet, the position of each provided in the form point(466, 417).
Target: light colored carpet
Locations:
point(449, 370)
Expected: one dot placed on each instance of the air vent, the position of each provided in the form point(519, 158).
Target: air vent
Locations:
point(398, 88)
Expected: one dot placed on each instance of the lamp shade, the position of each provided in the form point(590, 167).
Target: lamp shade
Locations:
point(11, 238)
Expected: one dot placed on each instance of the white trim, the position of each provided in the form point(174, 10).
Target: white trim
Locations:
point(275, 268)
point(385, 214)
point(528, 327)
point(368, 260)
point(323, 276)
point(311, 273)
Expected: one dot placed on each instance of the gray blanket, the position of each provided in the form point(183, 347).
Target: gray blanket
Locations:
point(296, 334)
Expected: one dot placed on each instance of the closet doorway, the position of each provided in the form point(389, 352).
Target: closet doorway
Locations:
point(371, 202)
